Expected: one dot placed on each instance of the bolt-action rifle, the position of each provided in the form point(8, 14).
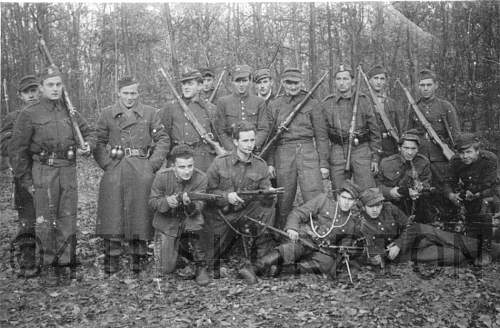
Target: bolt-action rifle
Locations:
point(204, 134)
point(217, 86)
point(249, 195)
point(288, 120)
point(447, 152)
point(347, 167)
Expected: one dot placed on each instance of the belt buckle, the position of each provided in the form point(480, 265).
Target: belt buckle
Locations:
point(50, 160)
point(127, 152)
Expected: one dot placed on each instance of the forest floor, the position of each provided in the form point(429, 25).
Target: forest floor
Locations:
point(455, 297)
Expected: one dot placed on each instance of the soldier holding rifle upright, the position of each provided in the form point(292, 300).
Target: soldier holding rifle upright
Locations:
point(43, 153)
point(138, 146)
point(365, 147)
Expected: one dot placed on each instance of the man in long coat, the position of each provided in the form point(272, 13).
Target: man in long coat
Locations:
point(138, 146)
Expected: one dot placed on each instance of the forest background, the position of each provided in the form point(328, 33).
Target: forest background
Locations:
point(95, 43)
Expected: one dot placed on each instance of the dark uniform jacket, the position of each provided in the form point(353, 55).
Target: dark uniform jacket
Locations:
point(395, 171)
point(205, 95)
point(322, 209)
point(389, 227)
point(395, 116)
point(228, 173)
point(480, 176)
point(232, 109)
point(179, 128)
point(6, 131)
point(438, 112)
point(307, 125)
point(44, 127)
point(173, 221)
point(337, 113)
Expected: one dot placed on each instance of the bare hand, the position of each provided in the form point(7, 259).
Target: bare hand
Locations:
point(172, 201)
point(272, 171)
point(234, 199)
point(374, 167)
point(455, 198)
point(293, 235)
point(84, 150)
point(394, 193)
point(393, 251)
point(414, 194)
point(185, 199)
point(469, 195)
point(325, 173)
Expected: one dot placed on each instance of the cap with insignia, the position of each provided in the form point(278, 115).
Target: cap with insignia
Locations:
point(261, 74)
point(207, 72)
point(376, 70)
point(426, 74)
point(240, 71)
point(351, 188)
point(344, 68)
point(49, 71)
point(27, 81)
point(411, 135)
point(292, 74)
point(190, 74)
point(465, 140)
point(371, 196)
point(126, 81)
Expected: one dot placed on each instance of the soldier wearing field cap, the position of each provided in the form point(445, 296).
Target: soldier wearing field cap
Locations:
point(208, 86)
point(264, 84)
point(300, 155)
point(181, 130)
point(443, 118)
point(377, 77)
point(405, 178)
point(338, 110)
point(43, 153)
point(241, 105)
point(131, 146)
point(472, 182)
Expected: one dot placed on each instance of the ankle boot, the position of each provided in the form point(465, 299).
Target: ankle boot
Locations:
point(247, 273)
point(202, 277)
point(484, 258)
point(265, 264)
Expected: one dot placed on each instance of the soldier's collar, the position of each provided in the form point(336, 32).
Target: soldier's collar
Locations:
point(120, 109)
point(242, 96)
point(340, 96)
point(51, 104)
point(236, 158)
point(427, 100)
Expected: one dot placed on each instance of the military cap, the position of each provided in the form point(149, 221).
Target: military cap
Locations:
point(27, 81)
point(465, 140)
point(49, 71)
point(126, 81)
point(376, 70)
point(181, 150)
point(426, 74)
point(411, 135)
point(292, 74)
point(371, 196)
point(240, 71)
point(190, 74)
point(207, 72)
point(344, 68)
point(261, 74)
point(351, 188)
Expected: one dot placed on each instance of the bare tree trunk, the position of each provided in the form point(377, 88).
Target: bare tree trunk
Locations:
point(238, 32)
point(126, 44)
point(171, 34)
point(330, 47)
point(313, 67)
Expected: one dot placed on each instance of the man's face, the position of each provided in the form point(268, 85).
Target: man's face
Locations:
point(346, 201)
point(30, 95)
point(190, 88)
point(427, 88)
point(374, 210)
point(184, 168)
point(377, 82)
point(292, 88)
point(264, 86)
point(408, 149)
point(242, 84)
point(128, 95)
point(52, 88)
point(208, 83)
point(344, 82)
point(469, 155)
point(246, 143)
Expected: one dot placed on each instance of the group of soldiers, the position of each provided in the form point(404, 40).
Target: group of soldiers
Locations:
point(195, 176)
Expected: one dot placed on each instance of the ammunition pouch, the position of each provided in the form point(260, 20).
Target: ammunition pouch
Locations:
point(47, 158)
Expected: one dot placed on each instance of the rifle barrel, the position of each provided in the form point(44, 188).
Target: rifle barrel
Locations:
point(347, 167)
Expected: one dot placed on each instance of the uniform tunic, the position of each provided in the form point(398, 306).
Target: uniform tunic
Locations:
point(41, 130)
point(338, 116)
point(181, 131)
point(234, 108)
point(123, 210)
point(300, 151)
point(394, 114)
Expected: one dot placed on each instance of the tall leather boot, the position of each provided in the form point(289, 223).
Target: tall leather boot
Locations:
point(264, 264)
point(202, 277)
point(484, 257)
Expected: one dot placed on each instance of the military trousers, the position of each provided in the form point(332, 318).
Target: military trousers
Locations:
point(56, 201)
point(26, 222)
point(296, 163)
point(307, 259)
point(360, 166)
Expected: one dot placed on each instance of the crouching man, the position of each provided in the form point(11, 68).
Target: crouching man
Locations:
point(178, 219)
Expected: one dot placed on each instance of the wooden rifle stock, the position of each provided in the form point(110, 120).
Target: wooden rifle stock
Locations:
point(288, 120)
point(447, 152)
point(378, 107)
point(347, 167)
point(217, 86)
point(205, 136)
